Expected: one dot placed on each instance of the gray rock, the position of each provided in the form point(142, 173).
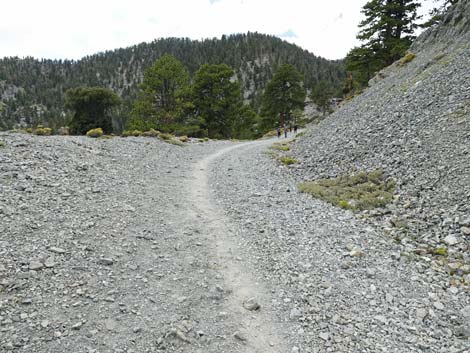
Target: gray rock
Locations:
point(251, 304)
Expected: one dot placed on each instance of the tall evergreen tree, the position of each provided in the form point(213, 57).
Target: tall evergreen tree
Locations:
point(91, 106)
point(284, 93)
point(162, 94)
point(217, 98)
point(387, 33)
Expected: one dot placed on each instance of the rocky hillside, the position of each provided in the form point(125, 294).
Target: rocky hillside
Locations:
point(31, 91)
point(414, 123)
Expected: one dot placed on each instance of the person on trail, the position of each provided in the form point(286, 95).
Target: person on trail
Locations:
point(278, 132)
point(285, 131)
point(295, 129)
point(290, 127)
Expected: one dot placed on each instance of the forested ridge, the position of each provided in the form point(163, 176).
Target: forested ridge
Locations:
point(32, 90)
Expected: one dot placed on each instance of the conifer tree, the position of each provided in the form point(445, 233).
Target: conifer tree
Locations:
point(387, 32)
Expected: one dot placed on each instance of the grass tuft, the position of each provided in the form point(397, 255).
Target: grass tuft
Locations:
point(288, 160)
point(409, 57)
point(361, 191)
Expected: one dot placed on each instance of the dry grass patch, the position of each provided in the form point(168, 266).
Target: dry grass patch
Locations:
point(361, 191)
point(288, 160)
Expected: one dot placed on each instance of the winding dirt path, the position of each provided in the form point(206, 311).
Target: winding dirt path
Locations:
point(258, 329)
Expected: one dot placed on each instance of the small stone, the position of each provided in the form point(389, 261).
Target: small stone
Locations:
point(451, 240)
point(27, 301)
point(49, 262)
point(36, 265)
point(439, 305)
point(105, 261)
point(465, 230)
point(239, 336)
point(57, 250)
point(251, 304)
point(421, 313)
point(324, 336)
point(44, 323)
point(137, 329)
point(295, 350)
point(77, 326)
point(356, 253)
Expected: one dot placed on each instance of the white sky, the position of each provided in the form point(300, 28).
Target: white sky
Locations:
point(72, 29)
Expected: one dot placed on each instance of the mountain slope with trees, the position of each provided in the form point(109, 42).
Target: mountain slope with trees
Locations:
point(32, 91)
point(413, 123)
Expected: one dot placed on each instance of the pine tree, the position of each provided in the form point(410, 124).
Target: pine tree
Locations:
point(387, 32)
point(161, 98)
point(284, 93)
point(217, 98)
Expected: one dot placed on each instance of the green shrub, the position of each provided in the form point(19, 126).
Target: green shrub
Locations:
point(183, 138)
point(288, 160)
point(42, 131)
point(409, 57)
point(127, 133)
point(442, 251)
point(174, 142)
point(356, 192)
point(29, 130)
point(280, 147)
point(166, 136)
point(94, 133)
point(270, 133)
point(64, 130)
point(2, 144)
point(106, 137)
point(151, 133)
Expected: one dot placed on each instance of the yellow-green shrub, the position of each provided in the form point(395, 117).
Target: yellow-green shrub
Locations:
point(166, 136)
point(94, 133)
point(184, 138)
point(356, 192)
point(42, 131)
point(406, 59)
point(151, 133)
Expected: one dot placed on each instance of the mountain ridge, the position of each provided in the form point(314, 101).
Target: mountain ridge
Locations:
point(31, 90)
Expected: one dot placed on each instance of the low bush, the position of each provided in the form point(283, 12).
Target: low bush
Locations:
point(409, 57)
point(166, 136)
point(278, 146)
point(135, 133)
point(288, 160)
point(361, 191)
point(151, 133)
point(183, 138)
point(94, 133)
point(64, 130)
point(42, 131)
point(174, 142)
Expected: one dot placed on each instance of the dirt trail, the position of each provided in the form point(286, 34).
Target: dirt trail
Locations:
point(258, 327)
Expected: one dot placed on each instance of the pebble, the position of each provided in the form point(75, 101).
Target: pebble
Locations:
point(251, 304)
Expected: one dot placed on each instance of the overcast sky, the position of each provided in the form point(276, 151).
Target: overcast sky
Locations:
point(72, 29)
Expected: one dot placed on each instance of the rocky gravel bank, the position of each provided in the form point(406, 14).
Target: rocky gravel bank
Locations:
point(101, 249)
point(344, 285)
point(414, 124)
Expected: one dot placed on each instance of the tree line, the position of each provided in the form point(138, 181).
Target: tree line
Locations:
point(38, 86)
point(211, 105)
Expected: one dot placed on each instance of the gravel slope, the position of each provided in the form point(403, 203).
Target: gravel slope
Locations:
point(345, 286)
point(134, 245)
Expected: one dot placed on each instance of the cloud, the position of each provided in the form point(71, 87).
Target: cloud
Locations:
point(288, 34)
point(60, 29)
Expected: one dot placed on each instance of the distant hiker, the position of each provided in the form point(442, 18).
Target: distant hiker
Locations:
point(285, 131)
point(290, 127)
point(295, 128)
point(278, 132)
